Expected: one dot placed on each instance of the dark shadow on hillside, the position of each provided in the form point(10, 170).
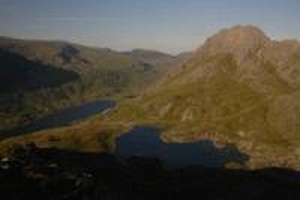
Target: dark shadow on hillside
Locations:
point(33, 173)
point(18, 73)
point(145, 141)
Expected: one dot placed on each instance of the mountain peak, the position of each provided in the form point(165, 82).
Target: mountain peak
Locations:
point(239, 40)
point(239, 34)
point(245, 29)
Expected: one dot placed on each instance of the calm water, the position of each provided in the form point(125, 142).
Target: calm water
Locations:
point(62, 118)
point(145, 142)
point(141, 141)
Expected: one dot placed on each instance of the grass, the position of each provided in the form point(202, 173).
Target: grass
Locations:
point(87, 136)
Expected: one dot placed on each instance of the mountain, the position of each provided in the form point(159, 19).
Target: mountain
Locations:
point(18, 73)
point(150, 56)
point(41, 77)
point(239, 87)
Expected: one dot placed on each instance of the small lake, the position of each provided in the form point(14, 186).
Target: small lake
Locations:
point(144, 141)
point(141, 141)
point(61, 118)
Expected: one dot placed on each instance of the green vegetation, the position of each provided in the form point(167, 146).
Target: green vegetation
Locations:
point(39, 78)
point(231, 97)
point(87, 136)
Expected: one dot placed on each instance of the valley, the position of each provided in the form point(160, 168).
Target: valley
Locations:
point(239, 88)
point(149, 100)
point(87, 74)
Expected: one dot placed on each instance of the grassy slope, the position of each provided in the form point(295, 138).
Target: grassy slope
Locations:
point(213, 97)
point(103, 73)
point(88, 135)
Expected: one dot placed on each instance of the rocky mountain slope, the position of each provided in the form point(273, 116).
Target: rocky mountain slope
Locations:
point(41, 77)
point(239, 87)
point(17, 74)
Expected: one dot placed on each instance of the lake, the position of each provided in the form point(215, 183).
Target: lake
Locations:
point(61, 118)
point(144, 141)
point(141, 141)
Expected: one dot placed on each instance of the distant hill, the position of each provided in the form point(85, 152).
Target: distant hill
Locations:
point(239, 87)
point(81, 58)
point(149, 56)
point(18, 73)
point(40, 77)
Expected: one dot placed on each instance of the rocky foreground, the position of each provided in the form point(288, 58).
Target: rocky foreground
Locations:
point(34, 173)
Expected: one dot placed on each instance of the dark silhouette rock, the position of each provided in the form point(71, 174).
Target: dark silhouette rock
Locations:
point(70, 175)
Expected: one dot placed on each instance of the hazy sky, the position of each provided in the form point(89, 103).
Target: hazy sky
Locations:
point(166, 25)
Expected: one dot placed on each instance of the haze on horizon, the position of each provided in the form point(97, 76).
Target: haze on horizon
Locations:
point(168, 25)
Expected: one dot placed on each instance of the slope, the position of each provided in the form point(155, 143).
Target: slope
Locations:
point(100, 73)
point(239, 87)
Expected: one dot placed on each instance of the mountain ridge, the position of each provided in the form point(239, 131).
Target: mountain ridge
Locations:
point(101, 73)
point(247, 97)
point(246, 94)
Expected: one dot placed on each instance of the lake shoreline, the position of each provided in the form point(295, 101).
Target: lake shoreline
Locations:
point(145, 141)
point(61, 118)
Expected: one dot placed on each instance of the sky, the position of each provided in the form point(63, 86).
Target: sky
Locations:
point(167, 25)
